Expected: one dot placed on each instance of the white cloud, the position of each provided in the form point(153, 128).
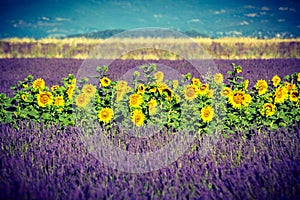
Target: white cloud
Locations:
point(157, 16)
point(283, 8)
point(217, 12)
point(262, 13)
point(281, 20)
point(265, 8)
point(244, 23)
point(45, 18)
point(251, 15)
point(194, 21)
point(62, 19)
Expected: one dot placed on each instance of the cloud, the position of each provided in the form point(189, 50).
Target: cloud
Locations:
point(194, 21)
point(283, 8)
point(251, 15)
point(292, 9)
point(157, 16)
point(280, 20)
point(62, 19)
point(45, 18)
point(217, 12)
point(234, 33)
point(244, 23)
point(265, 8)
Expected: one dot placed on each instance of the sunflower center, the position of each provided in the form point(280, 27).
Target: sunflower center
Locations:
point(190, 92)
point(238, 98)
point(104, 114)
point(206, 113)
point(44, 98)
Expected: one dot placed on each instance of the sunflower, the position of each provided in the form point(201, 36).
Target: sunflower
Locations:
point(276, 80)
point(203, 89)
point(120, 95)
point(106, 115)
point(247, 99)
point(138, 118)
point(190, 92)
point(105, 81)
point(261, 86)
point(207, 113)
point(89, 90)
point(289, 86)
point(218, 78)
point(168, 92)
point(281, 95)
point(44, 98)
point(24, 97)
point(294, 95)
point(161, 87)
point(54, 87)
point(210, 93)
point(226, 92)
point(237, 99)
point(70, 91)
point(152, 106)
point(135, 100)
point(141, 89)
point(196, 81)
point(159, 76)
point(298, 77)
point(238, 69)
point(121, 85)
point(175, 84)
point(268, 109)
point(152, 89)
point(82, 100)
point(59, 101)
point(39, 84)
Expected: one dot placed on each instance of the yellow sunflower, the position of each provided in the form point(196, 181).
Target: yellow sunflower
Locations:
point(44, 98)
point(159, 76)
point(152, 106)
point(70, 91)
point(175, 84)
point(261, 86)
point(207, 113)
point(294, 95)
point(218, 78)
point(39, 84)
point(298, 77)
point(237, 99)
point(247, 100)
point(141, 89)
point(54, 87)
point(106, 115)
point(24, 97)
point(281, 95)
point(89, 90)
point(203, 89)
point(168, 92)
point(268, 109)
point(138, 118)
point(135, 100)
point(105, 81)
point(226, 92)
point(289, 86)
point(121, 85)
point(238, 69)
point(59, 101)
point(82, 100)
point(190, 92)
point(196, 81)
point(161, 87)
point(276, 80)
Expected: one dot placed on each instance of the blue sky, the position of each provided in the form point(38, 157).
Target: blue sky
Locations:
point(44, 18)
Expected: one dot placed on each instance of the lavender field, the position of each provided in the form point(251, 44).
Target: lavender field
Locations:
point(39, 161)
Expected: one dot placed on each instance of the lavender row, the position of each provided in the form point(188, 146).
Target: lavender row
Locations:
point(53, 70)
point(50, 163)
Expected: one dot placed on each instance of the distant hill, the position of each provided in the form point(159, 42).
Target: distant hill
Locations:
point(109, 33)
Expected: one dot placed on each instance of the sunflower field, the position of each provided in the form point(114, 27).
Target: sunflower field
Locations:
point(200, 104)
